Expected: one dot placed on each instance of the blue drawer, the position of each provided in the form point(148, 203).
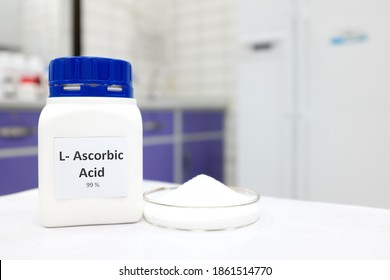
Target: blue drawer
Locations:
point(18, 174)
point(157, 123)
point(158, 162)
point(202, 121)
point(18, 129)
point(203, 157)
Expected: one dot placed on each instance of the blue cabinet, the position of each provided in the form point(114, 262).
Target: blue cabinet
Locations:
point(180, 144)
point(18, 151)
point(157, 123)
point(158, 162)
point(158, 150)
point(202, 121)
point(18, 173)
point(202, 144)
point(203, 157)
point(18, 129)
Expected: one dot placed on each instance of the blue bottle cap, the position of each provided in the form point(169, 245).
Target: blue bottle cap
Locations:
point(90, 77)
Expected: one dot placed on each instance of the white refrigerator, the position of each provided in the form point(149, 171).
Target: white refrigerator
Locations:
point(313, 101)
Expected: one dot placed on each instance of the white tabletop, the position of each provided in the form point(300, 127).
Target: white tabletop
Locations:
point(287, 229)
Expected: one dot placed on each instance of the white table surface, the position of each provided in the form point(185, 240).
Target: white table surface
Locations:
point(287, 229)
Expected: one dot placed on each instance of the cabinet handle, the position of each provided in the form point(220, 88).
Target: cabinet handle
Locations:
point(187, 164)
point(262, 46)
point(152, 126)
point(12, 132)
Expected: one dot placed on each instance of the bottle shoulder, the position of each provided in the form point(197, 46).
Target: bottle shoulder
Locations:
point(90, 101)
point(93, 109)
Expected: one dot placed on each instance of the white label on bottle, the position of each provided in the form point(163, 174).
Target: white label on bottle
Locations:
point(91, 167)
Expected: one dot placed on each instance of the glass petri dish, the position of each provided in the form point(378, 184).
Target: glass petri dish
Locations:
point(204, 218)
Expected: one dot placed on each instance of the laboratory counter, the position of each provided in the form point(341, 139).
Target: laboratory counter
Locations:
point(287, 229)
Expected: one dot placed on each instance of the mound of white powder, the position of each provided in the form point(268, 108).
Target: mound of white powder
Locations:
point(199, 204)
point(203, 190)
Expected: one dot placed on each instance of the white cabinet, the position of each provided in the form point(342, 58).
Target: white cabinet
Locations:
point(313, 109)
point(265, 104)
point(345, 133)
point(264, 129)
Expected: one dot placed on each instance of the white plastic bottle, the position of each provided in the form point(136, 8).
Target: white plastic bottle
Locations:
point(90, 144)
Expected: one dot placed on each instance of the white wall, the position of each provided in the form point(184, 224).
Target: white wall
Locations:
point(205, 47)
point(10, 24)
point(46, 28)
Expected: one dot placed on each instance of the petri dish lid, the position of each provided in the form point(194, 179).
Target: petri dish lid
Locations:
point(160, 213)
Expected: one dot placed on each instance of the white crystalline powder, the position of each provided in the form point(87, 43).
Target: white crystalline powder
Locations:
point(203, 190)
point(200, 200)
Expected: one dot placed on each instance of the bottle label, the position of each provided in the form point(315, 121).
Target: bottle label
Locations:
point(91, 167)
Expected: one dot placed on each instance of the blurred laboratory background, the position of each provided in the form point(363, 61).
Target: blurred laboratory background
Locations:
point(287, 97)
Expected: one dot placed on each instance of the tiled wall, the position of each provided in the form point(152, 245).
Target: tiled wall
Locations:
point(203, 39)
point(10, 24)
point(134, 30)
point(46, 28)
point(179, 47)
